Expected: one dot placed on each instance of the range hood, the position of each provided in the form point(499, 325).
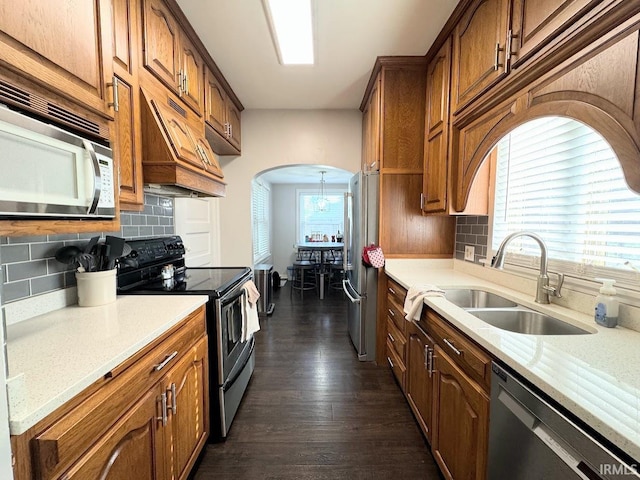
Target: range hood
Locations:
point(177, 159)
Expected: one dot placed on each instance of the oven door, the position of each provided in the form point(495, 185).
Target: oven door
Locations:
point(229, 328)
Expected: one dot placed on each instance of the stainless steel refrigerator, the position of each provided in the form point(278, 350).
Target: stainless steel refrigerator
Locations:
point(361, 283)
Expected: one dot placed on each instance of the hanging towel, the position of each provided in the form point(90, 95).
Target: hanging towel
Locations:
point(415, 299)
point(250, 320)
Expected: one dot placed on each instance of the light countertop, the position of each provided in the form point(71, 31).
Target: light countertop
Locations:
point(596, 377)
point(53, 357)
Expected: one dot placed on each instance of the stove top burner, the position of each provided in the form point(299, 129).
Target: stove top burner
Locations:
point(146, 271)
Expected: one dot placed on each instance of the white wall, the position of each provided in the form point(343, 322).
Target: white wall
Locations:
point(272, 138)
point(284, 222)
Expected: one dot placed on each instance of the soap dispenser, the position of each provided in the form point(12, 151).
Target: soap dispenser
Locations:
point(606, 313)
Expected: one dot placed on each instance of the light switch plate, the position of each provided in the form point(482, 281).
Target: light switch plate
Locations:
point(469, 252)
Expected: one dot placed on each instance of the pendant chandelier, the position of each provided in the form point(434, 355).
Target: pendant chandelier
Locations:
point(322, 204)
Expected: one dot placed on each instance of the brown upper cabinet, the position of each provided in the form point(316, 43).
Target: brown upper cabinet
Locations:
point(371, 129)
point(535, 22)
point(126, 141)
point(495, 36)
point(437, 197)
point(393, 120)
point(222, 117)
point(170, 55)
point(61, 46)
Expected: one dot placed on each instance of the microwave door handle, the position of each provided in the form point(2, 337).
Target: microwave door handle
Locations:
point(97, 179)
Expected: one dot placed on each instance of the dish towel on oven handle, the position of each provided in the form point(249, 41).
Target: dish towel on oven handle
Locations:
point(415, 299)
point(250, 320)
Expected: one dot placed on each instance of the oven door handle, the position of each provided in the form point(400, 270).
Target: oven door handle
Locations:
point(231, 380)
point(224, 301)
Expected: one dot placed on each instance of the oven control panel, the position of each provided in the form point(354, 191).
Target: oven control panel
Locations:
point(153, 250)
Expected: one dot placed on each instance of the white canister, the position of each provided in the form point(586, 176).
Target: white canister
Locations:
point(96, 288)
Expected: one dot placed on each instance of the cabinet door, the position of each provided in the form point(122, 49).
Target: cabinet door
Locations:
point(534, 22)
point(436, 161)
point(460, 422)
point(210, 160)
point(130, 449)
point(180, 135)
point(420, 377)
point(191, 73)
point(161, 43)
point(188, 410)
point(479, 41)
point(126, 141)
point(215, 104)
point(371, 127)
point(61, 46)
point(233, 118)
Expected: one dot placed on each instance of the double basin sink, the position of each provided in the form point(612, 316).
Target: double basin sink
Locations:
point(505, 314)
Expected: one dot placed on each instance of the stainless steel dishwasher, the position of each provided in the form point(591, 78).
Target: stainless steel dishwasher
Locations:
point(529, 439)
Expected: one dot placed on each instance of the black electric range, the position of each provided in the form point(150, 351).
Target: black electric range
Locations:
point(156, 266)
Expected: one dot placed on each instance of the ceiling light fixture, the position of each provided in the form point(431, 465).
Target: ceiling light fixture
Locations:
point(292, 30)
point(322, 202)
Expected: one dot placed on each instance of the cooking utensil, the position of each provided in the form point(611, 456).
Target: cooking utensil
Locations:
point(68, 254)
point(92, 243)
point(116, 247)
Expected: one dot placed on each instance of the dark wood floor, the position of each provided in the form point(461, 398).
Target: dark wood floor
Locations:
point(313, 411)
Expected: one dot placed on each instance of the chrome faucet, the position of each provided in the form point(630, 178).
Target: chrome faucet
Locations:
point(544, 290)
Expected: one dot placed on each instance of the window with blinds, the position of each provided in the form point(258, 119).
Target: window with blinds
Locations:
point(559, 178)
point(260, 211)
point(318, 218)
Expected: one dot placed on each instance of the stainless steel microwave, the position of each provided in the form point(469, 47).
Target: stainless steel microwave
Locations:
point(48, 172)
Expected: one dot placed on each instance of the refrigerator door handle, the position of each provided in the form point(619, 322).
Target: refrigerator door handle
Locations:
point(346, 290)
point(347, 232)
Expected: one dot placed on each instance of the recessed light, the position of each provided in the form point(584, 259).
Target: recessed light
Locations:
point(291, 26)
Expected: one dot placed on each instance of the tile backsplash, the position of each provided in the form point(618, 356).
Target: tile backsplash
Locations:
point(28, 264)
point(474, 231)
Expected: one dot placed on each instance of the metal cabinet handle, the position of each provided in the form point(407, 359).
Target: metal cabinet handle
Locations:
point(450, 345)
point(164, 363)
point(390, 362)
point(508, 50)
point(431, 357)
point(392, 291)
point(163, 402)
point(393, 340)
point(426, 357)
point(180, 83)
point(116, 102)
point(392, 313)
point(497, 64)
point(230, 130)
point(174, 401)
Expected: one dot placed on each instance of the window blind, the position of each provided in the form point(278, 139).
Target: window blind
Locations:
point(260, 211)
point(560, 179)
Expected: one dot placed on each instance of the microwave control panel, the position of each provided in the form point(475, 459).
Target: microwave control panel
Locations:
point(107, 199)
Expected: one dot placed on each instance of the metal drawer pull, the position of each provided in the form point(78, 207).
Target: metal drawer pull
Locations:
point(450, 345)
point(431, 357)
point(163, 401)
point(164, 363)
point(174, 402)
point(390, 362)
point(392, 291)
point(393, 340)
point(392, 313)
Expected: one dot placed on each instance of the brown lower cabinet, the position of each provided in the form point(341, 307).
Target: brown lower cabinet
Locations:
point(148, 418)
point(445, 377)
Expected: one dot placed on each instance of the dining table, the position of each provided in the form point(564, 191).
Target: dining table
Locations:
point(323, 248)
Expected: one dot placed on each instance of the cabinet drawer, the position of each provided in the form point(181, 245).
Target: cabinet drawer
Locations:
point(397, 365)
point(397, 339)
point(62, 442)
point(396, 315)
point(396, 291)
point(475, 362)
